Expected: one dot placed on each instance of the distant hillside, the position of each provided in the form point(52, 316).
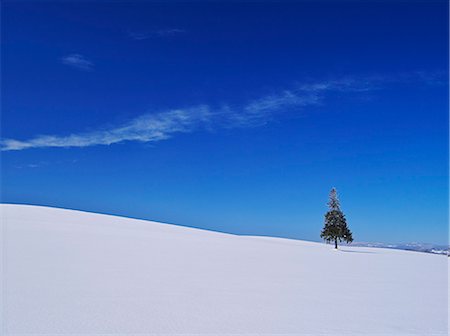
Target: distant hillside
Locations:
point(419, 247)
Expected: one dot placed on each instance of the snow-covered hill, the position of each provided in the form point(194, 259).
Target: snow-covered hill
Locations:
point(68, 271)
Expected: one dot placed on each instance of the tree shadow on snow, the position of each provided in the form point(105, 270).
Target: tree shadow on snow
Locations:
point(357, 251)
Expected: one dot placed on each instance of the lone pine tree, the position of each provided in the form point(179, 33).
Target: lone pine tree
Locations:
point(335, 228)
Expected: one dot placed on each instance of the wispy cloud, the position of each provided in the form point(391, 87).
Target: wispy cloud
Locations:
point(153, 127)
point(78, 61)
point(29, 165)
point(146, 128)
point(144, 35)
point(170, 32)
point(42, 164)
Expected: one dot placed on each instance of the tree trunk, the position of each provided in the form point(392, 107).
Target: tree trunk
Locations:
point(335, 244)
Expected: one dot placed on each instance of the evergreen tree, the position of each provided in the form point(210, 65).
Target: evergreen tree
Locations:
point(335, 228)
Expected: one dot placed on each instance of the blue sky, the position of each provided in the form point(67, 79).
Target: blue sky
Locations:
point(235, 117)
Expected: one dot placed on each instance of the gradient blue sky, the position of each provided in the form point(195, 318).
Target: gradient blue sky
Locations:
point(235, 117)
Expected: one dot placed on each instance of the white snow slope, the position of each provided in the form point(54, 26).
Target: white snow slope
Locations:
point(74, 272)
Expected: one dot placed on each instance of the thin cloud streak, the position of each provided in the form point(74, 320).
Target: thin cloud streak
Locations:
point(163, 125)
point(146, 128)
point(77, 61)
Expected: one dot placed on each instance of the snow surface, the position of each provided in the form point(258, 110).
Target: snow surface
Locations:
point(68, 271)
